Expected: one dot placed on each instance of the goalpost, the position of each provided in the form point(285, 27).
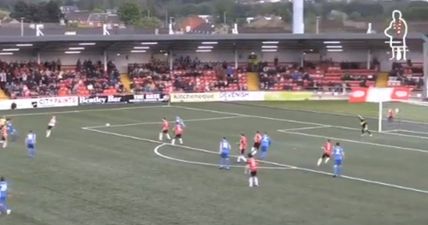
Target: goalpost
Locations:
point(379, 129)
point(384, 97)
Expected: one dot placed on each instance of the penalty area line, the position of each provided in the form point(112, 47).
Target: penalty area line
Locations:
point(85, 110)
point(292, 121)
point(384, 146)
point(156, 150)
point(363, 180)
point(159, 122)
point(306, 128)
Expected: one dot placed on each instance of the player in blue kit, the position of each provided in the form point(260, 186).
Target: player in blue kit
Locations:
point(224, 151)
point(30, 141)
point(12, 132)
point(180, 121)
point(4, 208)
point(264, 146)
point(339, 156)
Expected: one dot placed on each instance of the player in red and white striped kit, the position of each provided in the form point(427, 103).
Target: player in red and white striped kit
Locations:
point(327, 149)
point(391, 115)
point(257, 142)
point(51, 125)
point(165, 130)
point(243, 145)
point(178, 133)
point(251, 167)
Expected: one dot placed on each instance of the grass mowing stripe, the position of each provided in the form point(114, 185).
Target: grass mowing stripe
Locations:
point(85, 110)
point(158, 153)
point(355, 141)
point(298, 122)
point(159, 122)
point(350, 115)
point(273, 163)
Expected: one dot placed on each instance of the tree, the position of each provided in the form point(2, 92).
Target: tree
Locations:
point(225, 10)
point(21, 9)
point(130, 12)
point(53, 12)
point(148, 22)
point(3, 14)
point(189, 9)
point(355, 16)
point(416, 13)
point(45, 12)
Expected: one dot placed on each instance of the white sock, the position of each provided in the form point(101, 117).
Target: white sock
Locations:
point(181, 140)
point(250, 180)
point(319, 161)
point(173, 141)
point(48, 133)
point(5, 144)
point(326, 160)
point(168, 137)
point(256, 181)
point(160, 136)
point(241, 157)
point(238, 159)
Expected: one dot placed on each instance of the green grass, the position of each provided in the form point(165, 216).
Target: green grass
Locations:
point(407, 111)
point(90, 177)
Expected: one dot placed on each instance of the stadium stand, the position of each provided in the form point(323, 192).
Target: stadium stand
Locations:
point(29, 79)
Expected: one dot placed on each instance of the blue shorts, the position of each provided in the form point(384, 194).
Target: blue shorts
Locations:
point(264, 148)
point(338, 162)
point(30, 146)
point(224, 155)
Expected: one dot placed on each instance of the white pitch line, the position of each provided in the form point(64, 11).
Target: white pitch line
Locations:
point(249, 115)
point(305, 128)
point(389, 131)
point(406, 135)
point(83, 110)
point(410, 131)
point(159, 122)
point(350, 115)
point(292, 121)
point(156, 150)
point(273, 163)
point(387, 147)
point(163, 143)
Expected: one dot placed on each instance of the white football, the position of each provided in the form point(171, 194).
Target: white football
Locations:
point(107, 124)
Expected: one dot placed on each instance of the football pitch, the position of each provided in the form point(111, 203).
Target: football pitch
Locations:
point(89, 173)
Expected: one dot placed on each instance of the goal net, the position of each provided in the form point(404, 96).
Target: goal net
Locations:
point(408, 118)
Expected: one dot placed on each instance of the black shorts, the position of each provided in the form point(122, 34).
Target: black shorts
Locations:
point(3, 138)
point(50, 127)
point(165, 131)
point(178, 136)
point(242, 151)
point(253, 173)
point(325, 155)
point(256, 145)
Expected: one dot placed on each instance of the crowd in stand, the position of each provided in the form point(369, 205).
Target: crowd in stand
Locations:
point(30, 79)
point(187, 75)
point(406, 74)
